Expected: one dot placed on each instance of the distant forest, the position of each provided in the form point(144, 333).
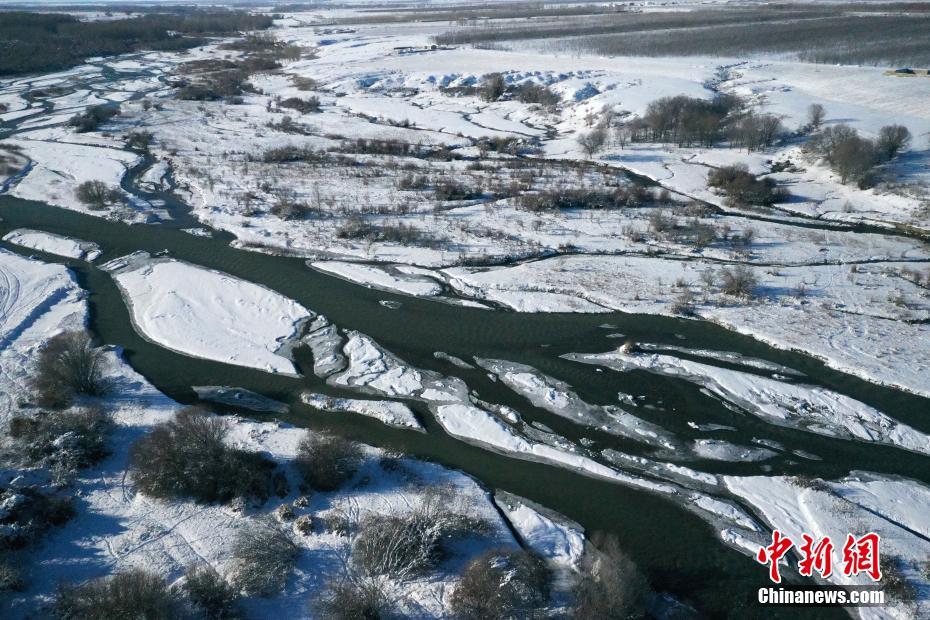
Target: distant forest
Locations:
point(849, 33)
point(40, 42)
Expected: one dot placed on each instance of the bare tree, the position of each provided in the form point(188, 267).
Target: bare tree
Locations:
point(492, 87)
point(622, 135)
point(97, 194)
point(892, 139)
point(815, 115)
point(593, 141)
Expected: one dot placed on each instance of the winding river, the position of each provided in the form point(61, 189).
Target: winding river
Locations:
point(680, 552)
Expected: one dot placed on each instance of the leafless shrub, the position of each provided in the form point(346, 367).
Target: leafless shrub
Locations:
point(97, 194)
point(210, 594)
point(684, 303)
point(502, 584)
point(611, 587)
point(327, 461)
point(303, 83)
point(11, 577)
point(93, 116)
point(291, 154)
point(356, 227)
point(68, 365)
point(264, 557)
point(740, 281)
point(188, 457)
point(401, 546)
point(536, 93)
point(28, 513)
point(132, 594)
point(62, 441)
point(353, 599)
point(304, 106)
point(451, 189)
point(140, 140)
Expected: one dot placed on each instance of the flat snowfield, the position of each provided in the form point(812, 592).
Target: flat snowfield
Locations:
point(211, 315)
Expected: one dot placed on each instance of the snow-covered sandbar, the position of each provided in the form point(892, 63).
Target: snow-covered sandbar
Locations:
point(208, 314)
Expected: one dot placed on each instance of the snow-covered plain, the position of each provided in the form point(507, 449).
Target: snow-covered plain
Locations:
point(855, 299)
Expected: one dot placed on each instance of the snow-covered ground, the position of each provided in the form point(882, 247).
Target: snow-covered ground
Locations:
point(857, 300)
point(208, 314)
point(893, 508)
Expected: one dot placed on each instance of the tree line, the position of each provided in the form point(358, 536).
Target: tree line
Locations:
point(40, 42)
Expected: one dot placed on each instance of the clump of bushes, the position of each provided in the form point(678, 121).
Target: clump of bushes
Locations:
point(93, 116)
point(450, 189)
point(353, 599)
point(853, 157)
point(264, 557)
point(97, 194)
point(131, 594)
point(536, 93)
point(610, 587)
point(68, 365)
point(290, 154)
point(557, 199)
point(62, 441)
point(356, 227)
point(188, 457)
point(400, 546)
point(327, 461)
point(685, 121)
point(502, 584)
point(288, 207)
point(140, 140)
point(743, 189)
point(304, 106)
point(209, 593)
point(28, 512)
